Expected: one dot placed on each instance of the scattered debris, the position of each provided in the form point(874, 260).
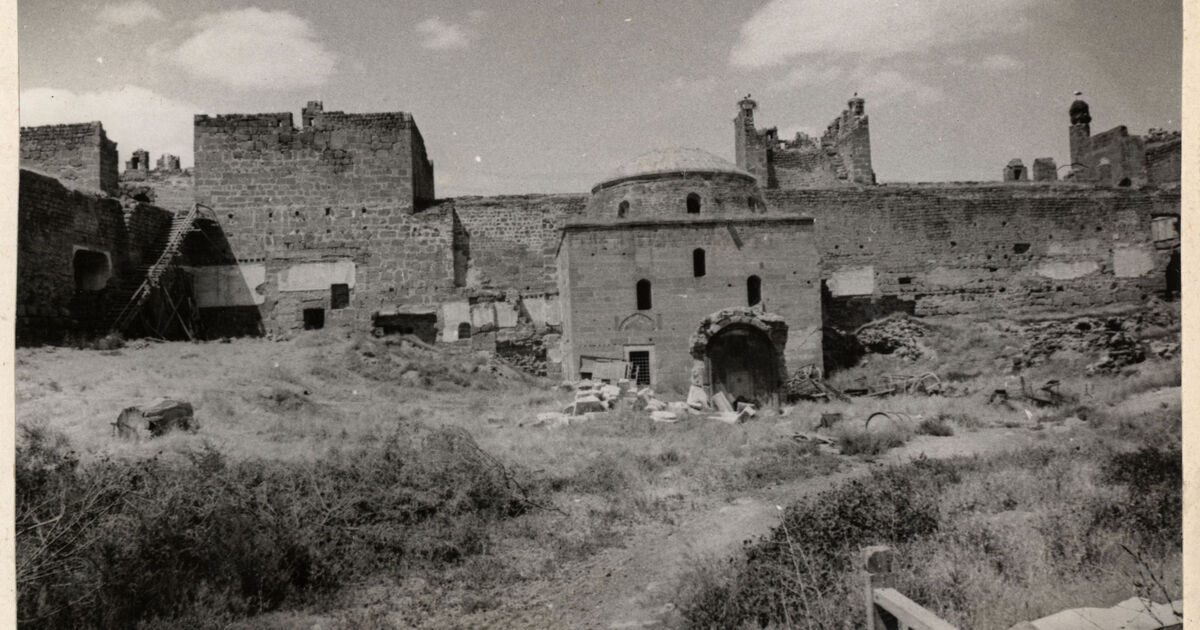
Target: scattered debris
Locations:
point(551, 420)
point(664, 416)
point(814, 437)
point(159, 419)
point(697, 398)
point(808, 383)
point(1048, 395)
point(721, 402)
point(126, 426)
point(829, 419)
point(891, 420)
point(1116, 336)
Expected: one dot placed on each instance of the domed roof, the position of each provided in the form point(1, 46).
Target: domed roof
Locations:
point(673, 160)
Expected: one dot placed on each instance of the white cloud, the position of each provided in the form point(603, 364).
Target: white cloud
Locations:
point(999, 62)
point(693, 85)
point(133, 116)
point(889, 85)
point(440, 35)
point(252, 48)
point(808, 76)
point(785, 29)
point(127, 14)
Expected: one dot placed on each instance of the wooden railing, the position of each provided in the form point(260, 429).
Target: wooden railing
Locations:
point(887, 608)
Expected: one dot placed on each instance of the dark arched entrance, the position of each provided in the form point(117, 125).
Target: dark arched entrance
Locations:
point(741, 361)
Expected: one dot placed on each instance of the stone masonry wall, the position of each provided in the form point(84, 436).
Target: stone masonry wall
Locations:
point(79, 155)
point(247, 163)
point(343, 187)
point(944, 249)
point(602, 265)
point(510, 242)
point(53, 222)
point(401, 261)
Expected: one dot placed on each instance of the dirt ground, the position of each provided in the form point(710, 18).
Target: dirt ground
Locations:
point(297, 399)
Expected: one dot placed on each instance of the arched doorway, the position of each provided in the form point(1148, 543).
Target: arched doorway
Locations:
point(741, 361)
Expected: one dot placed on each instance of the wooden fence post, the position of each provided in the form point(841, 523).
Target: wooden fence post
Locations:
point(877, 562)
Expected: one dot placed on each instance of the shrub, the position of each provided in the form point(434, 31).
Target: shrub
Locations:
point(1152, 511)
point(114, 543)
point(863, 442)
point(805, 560)
point(935, 426)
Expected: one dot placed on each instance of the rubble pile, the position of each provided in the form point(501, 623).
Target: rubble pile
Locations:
point(893, 335)
point(593, 398)
point(1116, 338)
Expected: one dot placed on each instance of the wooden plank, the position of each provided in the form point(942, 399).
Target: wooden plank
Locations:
point(909, 613)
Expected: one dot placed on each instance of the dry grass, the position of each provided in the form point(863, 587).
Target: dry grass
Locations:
point(984, 544)
point(312, 400)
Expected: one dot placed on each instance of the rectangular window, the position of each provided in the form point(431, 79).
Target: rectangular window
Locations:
point(314, 318)
point(639, 367)
point(339, 296)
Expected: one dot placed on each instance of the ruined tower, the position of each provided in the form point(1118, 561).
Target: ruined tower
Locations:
point(750, 146)
point(842, 155)
point(1081, 131)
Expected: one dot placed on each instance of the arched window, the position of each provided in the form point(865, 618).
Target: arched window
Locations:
point(643, 295)
point(753, 290)
point(693, 203)
point(698, 269)
point(622, 209)
point(464, 330)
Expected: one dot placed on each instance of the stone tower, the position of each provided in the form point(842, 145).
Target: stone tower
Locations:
point(1081, 131)
point(751, 146)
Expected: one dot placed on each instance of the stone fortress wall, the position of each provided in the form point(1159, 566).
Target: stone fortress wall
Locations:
point(79, 155)
point(348, 199)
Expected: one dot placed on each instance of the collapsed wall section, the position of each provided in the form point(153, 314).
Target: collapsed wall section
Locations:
point(939, 249)
point(79, 155)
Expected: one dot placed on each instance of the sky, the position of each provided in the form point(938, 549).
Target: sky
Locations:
point(543, 96)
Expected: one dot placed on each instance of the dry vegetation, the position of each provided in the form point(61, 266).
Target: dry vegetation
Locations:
point(332, 463)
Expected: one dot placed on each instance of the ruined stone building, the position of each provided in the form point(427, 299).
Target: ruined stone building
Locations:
point(1116, 158)
point(674, 269)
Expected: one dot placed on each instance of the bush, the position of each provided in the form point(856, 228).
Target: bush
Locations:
point(936, 427)
point(114, 543)
point(863, 442)
point(1152, 511)
point(981, 542)
point(806, 558)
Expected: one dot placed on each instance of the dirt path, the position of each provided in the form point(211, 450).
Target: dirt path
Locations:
point(634, 586)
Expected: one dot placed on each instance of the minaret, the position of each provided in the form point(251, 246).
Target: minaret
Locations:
point(1081, 132)
point(749, 148)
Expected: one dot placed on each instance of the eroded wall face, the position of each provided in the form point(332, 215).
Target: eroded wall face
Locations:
point(510, 242)
point(603, 267)
point(984, 249)
point(54, 225)
point(79, 155)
